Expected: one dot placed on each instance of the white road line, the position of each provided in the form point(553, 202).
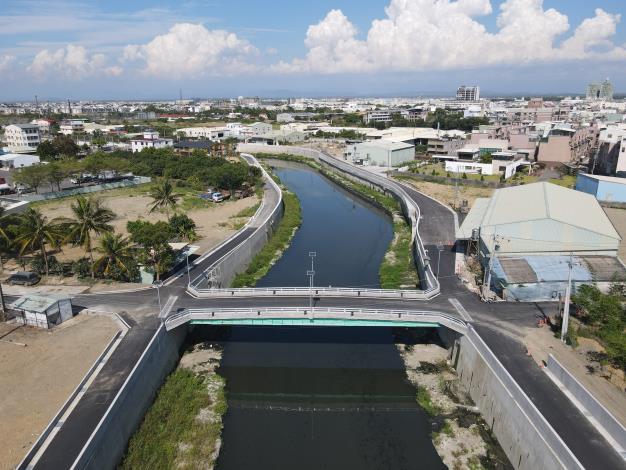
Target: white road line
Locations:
point(459, 308)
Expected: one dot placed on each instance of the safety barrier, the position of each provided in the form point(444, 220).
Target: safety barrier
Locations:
point(315, 291)
point(316, 313)
point(237, 259)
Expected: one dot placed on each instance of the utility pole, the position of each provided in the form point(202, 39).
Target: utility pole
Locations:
point(491, 258)
point(568, 294)
point(4, 307)
point(311, 274)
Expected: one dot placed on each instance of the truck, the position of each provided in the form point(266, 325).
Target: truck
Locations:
point(4, 187)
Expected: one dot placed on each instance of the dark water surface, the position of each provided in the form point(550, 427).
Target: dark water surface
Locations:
point(323, 398)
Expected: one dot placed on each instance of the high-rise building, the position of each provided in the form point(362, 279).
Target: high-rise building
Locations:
point(600, 91)
point(468, 93)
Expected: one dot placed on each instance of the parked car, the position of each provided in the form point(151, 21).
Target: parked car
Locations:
point(217, 197)
point(24, 278)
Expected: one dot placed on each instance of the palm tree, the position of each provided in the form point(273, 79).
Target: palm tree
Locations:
point(91, 218)
point(116, 251)
point(164, 197)
point(35, 232)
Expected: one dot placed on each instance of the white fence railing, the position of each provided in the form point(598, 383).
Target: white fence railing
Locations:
point(334, 313)
point(238, 258)
point(409, 206)
point(316, 291)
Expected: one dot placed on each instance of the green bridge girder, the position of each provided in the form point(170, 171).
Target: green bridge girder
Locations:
point(314, 322)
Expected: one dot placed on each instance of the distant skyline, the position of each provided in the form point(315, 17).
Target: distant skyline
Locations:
point(86, 49)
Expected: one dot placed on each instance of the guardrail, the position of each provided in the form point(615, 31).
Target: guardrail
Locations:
point(316, 291)
point(410, 208)
point(444, 319)
point(238, 258)
point(515, 394)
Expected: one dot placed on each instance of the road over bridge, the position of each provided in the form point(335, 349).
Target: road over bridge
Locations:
point(444, 301)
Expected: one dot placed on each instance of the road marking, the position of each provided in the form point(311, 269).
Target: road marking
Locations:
point(167, 308)
point(459, 308)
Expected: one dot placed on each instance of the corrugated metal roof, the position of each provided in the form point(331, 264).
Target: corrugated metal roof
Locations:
point(37, 303)
point(543, 200)
point(473, 219)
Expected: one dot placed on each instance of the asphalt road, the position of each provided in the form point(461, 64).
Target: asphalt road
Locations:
point(499, 325)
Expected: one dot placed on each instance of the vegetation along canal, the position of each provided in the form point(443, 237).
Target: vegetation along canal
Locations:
point(333, 398)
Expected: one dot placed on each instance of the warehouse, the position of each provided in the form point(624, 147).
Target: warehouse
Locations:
point(603, 188)
point(527, 238)
point(380, 153)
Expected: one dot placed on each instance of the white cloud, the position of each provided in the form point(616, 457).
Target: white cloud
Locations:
point(71, 62)
point(446, 34)
point(191, 50)
point(6, 61)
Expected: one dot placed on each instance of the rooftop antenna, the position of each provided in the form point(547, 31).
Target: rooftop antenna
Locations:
point(37, 104)
point(69, 108)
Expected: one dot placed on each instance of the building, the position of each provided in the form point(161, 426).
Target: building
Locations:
point(526, 236)
point(610, 158)
point(42, 311)
point(10, 161)
point(209, 133)
point(72, 126)
point(600, 91)
point(603, 188)
point(259, 128)
point(378, 116)
point(150, 139)
point(187, 147)
point(468, 93)
point(44, 124)
point(277, 137)
point(380, 153)
point(22, 138)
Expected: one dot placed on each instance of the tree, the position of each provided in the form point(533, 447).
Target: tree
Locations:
point(65, 145)
point(46, 151)
point(183, 226)
point(163, 197)
point(153, 239)
point(35, 232)
point(90, 218)
point(32, 176)
point(117, 255)
point(55, 174)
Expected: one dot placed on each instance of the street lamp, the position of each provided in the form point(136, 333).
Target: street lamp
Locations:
point(439, 250)
point(158, 285)
point(311, 274)
point(188, 275)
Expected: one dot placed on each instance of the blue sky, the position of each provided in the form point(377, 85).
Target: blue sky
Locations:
point(147, 50)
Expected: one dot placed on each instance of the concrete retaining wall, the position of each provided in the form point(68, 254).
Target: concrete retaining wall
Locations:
point(599, 413)
point(108, 442)
point(524, 434)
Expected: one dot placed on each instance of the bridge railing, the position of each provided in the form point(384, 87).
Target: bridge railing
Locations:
point(187, 315)
point(238, 258)
point(315, 291)
point(410, 208)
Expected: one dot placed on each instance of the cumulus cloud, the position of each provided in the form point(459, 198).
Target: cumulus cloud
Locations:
point(5, 62)
point(71, 62)
point(446, 34)
point(192, 50)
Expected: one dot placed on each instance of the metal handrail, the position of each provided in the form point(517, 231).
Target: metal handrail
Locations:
point(322, 291)
point(186, 315)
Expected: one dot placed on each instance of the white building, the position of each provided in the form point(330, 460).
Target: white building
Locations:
point(380, 153)
point(10, 161)
point(22, 138)
point(208, 133)
point(44, 124)
point(150, 139)
point(468, 93)
point(71, 126)
point(378, 115)
point(258, 128)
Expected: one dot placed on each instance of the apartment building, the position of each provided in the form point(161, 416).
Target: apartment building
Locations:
point(22, 138)
point(468, 93)
point(72, 126)
point(378, 115)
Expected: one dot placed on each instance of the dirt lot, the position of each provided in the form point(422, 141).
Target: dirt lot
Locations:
point(38, 378)
point(214, 221)
point(618, 219)
point(447, 194)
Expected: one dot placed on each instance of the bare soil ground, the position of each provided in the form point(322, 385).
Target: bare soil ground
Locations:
point(214, 221)
point(447, 193)
point(618, 219)
point(37, 379)
point(605, 383)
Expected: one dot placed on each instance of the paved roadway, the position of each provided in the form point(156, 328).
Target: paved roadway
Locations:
point(499, 324)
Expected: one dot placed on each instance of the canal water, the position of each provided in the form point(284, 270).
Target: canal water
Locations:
point(323, 398)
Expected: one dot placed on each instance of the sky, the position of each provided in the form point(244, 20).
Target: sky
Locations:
point(88, 49)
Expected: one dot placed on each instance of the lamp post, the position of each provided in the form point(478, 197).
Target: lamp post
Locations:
point(311, 274)
point(439, 250)
point(188, 275)
point(158, 285)
point(568, 295)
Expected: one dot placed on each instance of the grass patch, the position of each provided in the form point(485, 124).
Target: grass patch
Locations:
point(247, 212)
point(278, 242)
point(567, 181)
point(171, 435)
point(425, 401)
